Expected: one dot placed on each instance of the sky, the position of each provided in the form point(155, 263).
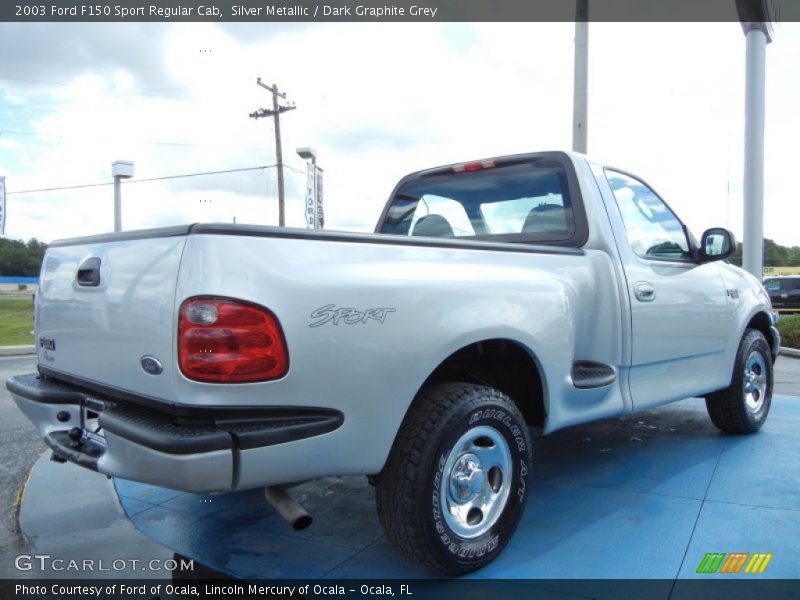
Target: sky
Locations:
point(376, 101)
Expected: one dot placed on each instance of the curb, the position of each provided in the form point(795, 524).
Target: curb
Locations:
point(790, 352)
point(17, 350)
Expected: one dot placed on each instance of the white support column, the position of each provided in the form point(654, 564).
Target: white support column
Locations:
point(117, 203)
point(580, 100)
point(120, 169)
point(753, 249)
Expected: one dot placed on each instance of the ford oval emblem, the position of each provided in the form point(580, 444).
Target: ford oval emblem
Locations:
point(151, 365)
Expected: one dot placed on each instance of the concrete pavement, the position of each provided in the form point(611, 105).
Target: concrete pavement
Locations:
point(17, 350)
point(644, 496)
point(23, 447)
point(86, 523)
point(787, 376)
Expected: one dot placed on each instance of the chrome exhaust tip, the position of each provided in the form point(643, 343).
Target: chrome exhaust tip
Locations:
point(292, 512)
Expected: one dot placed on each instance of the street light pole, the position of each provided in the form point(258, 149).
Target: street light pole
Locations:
point(120, 169)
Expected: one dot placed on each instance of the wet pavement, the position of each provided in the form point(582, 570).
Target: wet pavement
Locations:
point(642, 496)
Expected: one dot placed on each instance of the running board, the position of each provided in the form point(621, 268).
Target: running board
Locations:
point(587, 374)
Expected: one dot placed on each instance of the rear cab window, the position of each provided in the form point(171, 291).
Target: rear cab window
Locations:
point(528, 198)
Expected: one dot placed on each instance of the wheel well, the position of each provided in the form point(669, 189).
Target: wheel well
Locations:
point(762, 323)
point(501, 364)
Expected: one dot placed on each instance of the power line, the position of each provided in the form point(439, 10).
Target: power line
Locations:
point(295, 169)
point(162, 178)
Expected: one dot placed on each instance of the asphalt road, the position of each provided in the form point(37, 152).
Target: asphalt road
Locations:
point(22, 446)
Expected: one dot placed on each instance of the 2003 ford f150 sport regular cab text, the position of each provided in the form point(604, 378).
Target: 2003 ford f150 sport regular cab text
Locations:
point(524, 292)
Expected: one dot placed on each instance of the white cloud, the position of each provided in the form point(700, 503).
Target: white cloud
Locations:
point(378, 101)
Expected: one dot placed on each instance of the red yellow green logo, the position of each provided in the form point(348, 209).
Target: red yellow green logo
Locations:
point(736, 562)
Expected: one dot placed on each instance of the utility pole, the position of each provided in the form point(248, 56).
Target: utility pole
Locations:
point(275, 113)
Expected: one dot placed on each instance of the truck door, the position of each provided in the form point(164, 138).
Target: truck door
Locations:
point(679, 308)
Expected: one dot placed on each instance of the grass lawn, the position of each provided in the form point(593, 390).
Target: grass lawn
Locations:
point(16, 321)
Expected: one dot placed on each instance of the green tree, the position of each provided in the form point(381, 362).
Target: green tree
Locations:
point(775, 255)
point(21, 259)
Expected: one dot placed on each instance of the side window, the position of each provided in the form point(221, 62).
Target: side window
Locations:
point(652, 228)
point(773, 285)
point(796, 284)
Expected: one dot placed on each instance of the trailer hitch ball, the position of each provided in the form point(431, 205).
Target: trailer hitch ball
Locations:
point(75, 435)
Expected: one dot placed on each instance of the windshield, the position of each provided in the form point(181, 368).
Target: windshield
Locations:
point(524, 202)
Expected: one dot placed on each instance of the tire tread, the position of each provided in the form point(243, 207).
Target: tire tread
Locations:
point(726, 407)
point(401, 486)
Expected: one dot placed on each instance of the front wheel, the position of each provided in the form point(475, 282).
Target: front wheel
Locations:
point(453, 489)
point(743, 406)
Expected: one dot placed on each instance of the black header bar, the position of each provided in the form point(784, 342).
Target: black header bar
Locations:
point(396, 10)
point(187, 586)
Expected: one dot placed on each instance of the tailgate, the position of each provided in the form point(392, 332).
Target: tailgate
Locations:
point(106, 303)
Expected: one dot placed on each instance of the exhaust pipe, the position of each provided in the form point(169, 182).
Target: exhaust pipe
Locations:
point(291, 511)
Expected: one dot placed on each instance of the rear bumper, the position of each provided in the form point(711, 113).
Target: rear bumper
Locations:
point(181, 452)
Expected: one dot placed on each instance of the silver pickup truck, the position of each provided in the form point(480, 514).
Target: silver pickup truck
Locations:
point(523, 292)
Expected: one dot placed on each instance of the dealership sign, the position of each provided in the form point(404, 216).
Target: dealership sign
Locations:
point(314, 215)
point(320, 221)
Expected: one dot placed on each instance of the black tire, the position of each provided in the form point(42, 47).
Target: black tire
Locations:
point(426, 473)
point(743, 406)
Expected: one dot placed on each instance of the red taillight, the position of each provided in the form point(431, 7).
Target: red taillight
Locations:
point(229, 341)
point(474, 166)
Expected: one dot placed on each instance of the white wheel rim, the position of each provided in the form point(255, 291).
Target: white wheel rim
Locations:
point(755, 381)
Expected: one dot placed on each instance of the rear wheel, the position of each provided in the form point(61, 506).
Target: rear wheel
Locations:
point(743, 406)
point(453, 489)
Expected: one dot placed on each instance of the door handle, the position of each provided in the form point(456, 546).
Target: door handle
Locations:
point(644, 291)
point(89, 272)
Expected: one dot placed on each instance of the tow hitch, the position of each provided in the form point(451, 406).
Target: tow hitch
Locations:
point(79, 444)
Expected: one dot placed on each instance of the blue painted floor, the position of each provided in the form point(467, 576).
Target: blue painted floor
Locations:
point(645, 496)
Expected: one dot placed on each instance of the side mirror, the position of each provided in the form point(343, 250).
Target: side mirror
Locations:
point(716, 244)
